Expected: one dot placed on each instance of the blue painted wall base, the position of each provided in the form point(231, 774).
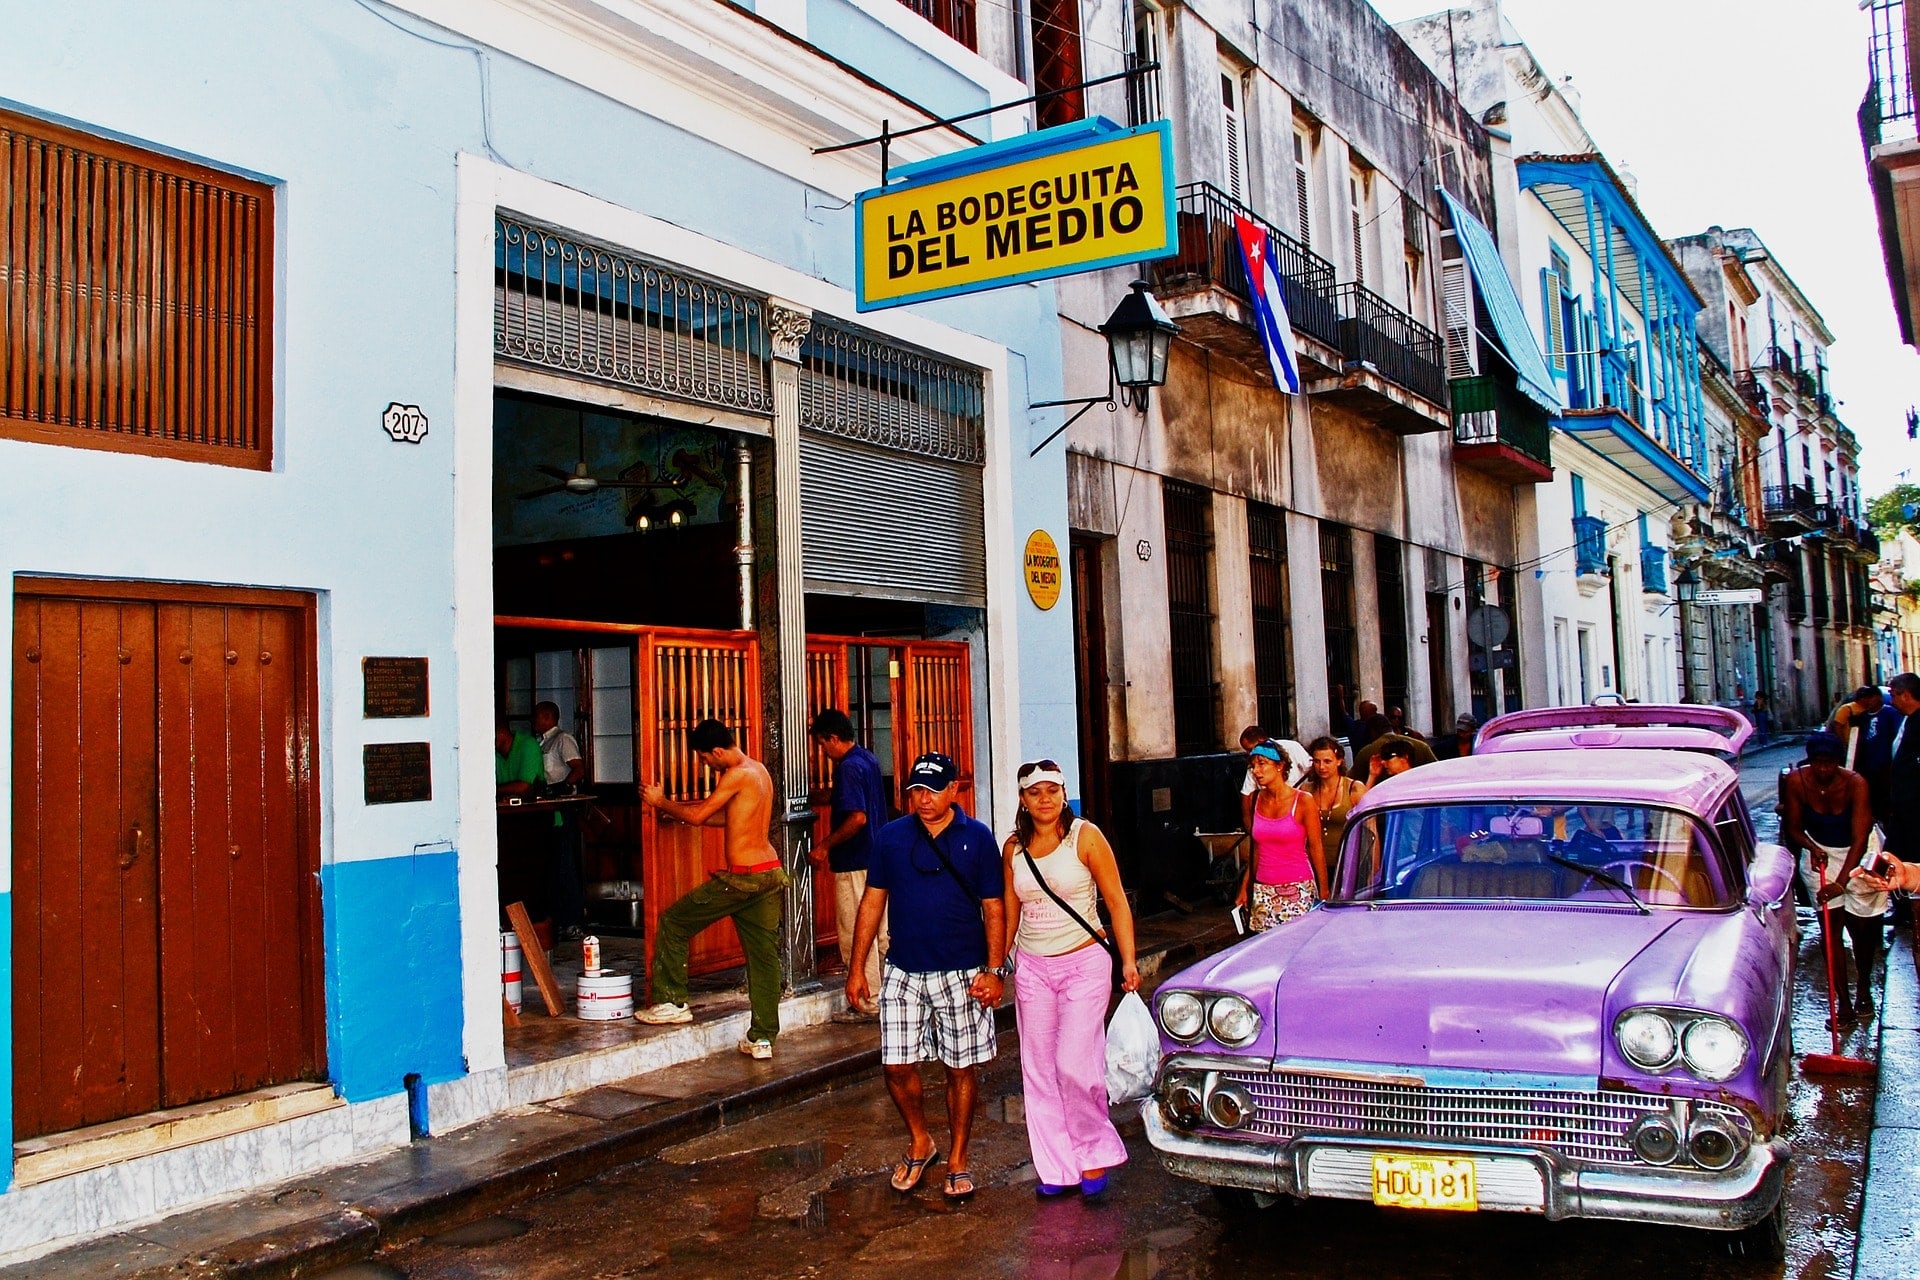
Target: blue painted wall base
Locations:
point(393, 991)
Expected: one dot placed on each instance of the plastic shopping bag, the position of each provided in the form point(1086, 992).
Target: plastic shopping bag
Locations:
point(1133, 1051)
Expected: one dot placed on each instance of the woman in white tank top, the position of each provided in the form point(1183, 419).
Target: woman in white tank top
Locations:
point(1063, 979)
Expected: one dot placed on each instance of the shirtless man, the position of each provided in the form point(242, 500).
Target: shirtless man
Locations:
point(749, 890)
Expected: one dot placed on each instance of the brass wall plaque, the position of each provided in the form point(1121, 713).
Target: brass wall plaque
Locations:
point(394, 688)
point(398, 772)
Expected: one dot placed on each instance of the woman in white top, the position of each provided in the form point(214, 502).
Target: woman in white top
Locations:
point(1062, 980)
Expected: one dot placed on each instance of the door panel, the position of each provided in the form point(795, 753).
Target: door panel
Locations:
point(826, 687)
point(935, 710)
point(86, 954)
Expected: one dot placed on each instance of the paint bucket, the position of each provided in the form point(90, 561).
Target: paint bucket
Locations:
point(510, 969)
point(605, 997)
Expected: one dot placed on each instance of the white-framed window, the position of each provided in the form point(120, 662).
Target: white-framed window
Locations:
point(1359, 210)
point(1456, 305)
point(1233, 133)
point(1303, 185)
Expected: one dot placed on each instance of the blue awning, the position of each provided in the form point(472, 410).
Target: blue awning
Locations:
point(1503, 304)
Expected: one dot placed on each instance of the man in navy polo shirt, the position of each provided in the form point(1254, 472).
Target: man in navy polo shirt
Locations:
point(857, 811)
point(938, 873)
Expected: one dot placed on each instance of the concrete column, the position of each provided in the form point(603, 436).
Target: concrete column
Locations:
point(783, 640)
point(1232, 574)
point(1537, 654)
point(1140, 622)
point(1367, 668)
point(1311, 708)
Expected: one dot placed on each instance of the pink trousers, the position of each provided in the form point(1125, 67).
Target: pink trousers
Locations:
point(1061, 1002)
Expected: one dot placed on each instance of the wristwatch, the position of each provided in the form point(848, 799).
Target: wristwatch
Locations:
point(999, 971)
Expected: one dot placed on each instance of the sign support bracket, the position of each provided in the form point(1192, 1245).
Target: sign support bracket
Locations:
point(1086, 403)
point(887, 134)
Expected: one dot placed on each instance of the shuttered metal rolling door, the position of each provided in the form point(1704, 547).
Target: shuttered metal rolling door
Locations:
point(882, 522)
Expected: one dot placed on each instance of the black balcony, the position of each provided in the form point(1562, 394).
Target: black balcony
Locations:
point(955, 17)
point(1888, 112)
point(1209, 258)
point(1500, 431)
point(1357, 336)
point(1790, 505)
point(1753, 389)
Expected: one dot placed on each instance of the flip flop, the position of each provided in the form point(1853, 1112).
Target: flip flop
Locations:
point(959, 1185)
point(907, 1174)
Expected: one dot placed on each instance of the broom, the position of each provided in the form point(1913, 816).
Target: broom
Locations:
point(1835, 1063)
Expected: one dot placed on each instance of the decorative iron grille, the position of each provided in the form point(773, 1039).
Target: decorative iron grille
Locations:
point(1585, 1126)
point(871, 389)
point(1272, 617)
point(1190, 615)
point(1390, 585)
point(1337, 619)
point(564, 303)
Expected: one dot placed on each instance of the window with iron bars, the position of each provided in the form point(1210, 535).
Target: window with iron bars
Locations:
point(1337, 621)
point(1143, 89)
point(955, 17)
point(1390, 585)
point(1190, 615)
point(1272, 618)
point(1057, 62)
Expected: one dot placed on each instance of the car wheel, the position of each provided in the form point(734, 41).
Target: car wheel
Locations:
point(1238, 1202)
point(1765, 1240)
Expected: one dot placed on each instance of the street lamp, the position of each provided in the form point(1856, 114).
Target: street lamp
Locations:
point(1139, 335)
point(1686, 587)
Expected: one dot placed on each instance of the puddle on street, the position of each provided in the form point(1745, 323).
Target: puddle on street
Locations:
point(486, 1231)
point(363, 1271)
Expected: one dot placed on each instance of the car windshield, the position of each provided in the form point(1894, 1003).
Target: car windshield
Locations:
point(1636, 856)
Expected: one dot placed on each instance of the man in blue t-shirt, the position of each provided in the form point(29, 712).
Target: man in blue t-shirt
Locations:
point(857, 810)
point(939, 873)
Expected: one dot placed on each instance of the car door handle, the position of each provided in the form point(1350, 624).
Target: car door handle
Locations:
point(135, 839)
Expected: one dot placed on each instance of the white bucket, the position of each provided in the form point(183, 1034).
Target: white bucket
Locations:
point(605, 997)
point(510, 969)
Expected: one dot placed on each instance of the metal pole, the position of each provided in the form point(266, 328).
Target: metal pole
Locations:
point(743, 548)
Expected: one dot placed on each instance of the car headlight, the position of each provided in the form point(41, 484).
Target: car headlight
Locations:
point(1713, 1048)
point(1232, 1020)
point(1647, 1039)
point(1182, 1015)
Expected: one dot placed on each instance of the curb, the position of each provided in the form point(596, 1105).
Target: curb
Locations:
point(1888, 1244)
point(439, 1199)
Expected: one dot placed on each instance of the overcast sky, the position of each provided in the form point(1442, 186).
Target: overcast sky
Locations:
point(1740, 113)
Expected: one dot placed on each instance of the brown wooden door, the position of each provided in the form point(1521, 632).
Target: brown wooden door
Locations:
point(166, 905)
point(934, 711)
point(826, 688)
point(86, 952)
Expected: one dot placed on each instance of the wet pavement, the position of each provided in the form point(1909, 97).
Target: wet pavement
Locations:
point(802, 1192)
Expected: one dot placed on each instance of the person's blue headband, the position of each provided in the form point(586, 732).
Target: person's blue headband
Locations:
point(1267, 751)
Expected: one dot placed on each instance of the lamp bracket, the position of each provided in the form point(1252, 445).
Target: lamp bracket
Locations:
point(1085, 403)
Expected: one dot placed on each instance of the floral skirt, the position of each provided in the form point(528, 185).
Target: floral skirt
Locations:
point(1273, 904)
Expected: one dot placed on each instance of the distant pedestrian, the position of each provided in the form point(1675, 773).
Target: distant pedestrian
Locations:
point(1854, 712)
point(1417, 753)
point(1292, 754)
point(1762, 723)
point(1368, 725)
point(1827, 822)
point(1901, 822)
point(1333, 793)
point(1393, 757)
point(749, 891)
point(1397, 723)
point(1058, 869)
point(564, 769)
point(856, 812)
point(1288, 871)
point(940, 874)
point(1459, 743)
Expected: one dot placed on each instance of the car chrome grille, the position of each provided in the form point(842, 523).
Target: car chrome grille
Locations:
point(1587, 1127)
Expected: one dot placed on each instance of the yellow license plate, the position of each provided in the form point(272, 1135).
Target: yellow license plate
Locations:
point(1424, 1182)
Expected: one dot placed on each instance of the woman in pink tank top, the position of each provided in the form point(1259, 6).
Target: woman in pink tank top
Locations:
point(1288, 871)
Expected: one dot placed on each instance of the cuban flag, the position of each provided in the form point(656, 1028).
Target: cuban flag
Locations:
point(1269, 307)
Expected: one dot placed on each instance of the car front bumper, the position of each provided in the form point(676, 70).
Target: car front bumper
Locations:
point(1517, 1179)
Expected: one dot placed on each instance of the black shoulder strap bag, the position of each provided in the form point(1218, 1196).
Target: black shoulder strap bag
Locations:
point(1113, 952)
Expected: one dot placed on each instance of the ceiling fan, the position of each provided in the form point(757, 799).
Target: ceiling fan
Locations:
point(580, 481)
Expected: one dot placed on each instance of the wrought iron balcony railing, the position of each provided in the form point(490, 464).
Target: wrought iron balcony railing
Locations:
point(1376, 332)
point(1653, 569)
point(1488, 411)
point(1888, 112)
point(1210, 255)
point(1789, 500)
point(1754, 391)
point(1776, 359)
point(1589, 545)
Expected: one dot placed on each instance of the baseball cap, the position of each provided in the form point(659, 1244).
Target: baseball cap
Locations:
point(933, 772)
point(1394, 750)
point(1465, 722)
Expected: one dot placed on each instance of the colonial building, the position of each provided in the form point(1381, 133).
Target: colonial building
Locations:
point(1245, 556)
point(373, 372)
point(1615, 316)
point(1887, 131)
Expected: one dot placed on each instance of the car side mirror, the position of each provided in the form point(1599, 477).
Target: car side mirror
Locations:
point(1770, 877)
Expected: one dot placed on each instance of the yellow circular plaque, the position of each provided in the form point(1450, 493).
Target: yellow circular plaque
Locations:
point(1042, 565)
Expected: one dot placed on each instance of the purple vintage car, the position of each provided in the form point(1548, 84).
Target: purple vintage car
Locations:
point(1719, 731)
point(1551, 982)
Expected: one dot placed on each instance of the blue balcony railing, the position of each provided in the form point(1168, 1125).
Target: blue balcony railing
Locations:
point(1653, 569)
point(1589, 544)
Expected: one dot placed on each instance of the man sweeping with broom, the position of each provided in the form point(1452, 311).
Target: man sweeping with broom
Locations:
point(1827, 821)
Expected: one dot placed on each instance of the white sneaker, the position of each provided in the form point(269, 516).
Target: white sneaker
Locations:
point(664, 1014)
point(758, 1050)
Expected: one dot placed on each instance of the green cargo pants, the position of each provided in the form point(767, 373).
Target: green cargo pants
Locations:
point(753, 902)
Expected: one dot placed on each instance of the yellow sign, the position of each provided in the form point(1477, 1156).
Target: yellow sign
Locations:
point(1042, 564)
point(1078, 198)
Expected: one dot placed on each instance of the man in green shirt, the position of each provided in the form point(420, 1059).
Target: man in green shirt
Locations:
point(517, 766)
